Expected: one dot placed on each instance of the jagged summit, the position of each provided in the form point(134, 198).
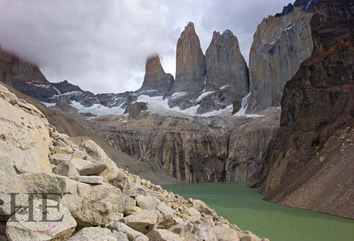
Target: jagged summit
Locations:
point(190, 61)
point(155, 77)
point(303, 4)
point(225, 65)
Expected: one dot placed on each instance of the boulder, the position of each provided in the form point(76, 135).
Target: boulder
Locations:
point(164, 235)
point(204, 231)
point(225, 233)
point(92, 169)
point(132, 234)
point(2, 228)
point(98, 154)
point(42, 231)
point(136, 110)
point(192, 214)
point(152, 203)
point(94, 234)
point(80, 163)
point(66, 169)
point(120, 236)
point(248, 236)
point(144, 221)
point(93, 180)
point(131, 210)
point(9, 182)
point(79, 154)
point(122, 181)
point(57, 159)
point(147, 202)
point(202, 207)
point(98, 204)
point(24, 135)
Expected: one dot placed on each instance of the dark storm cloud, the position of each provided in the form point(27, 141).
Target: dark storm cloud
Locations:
point(102, 45)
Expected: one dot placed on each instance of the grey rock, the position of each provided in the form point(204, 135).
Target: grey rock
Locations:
point(144, 221)
point(93, 180)
point(120, 236)
point(164, 235)
point(132, 234)
point(136, 110)
point(156, 81)
point(62, 230)
point(92, 169)
point(94, 234)
point(59, 158)
point(190, 62)
point(66, 169)
point(225, 65)
point(280, 45)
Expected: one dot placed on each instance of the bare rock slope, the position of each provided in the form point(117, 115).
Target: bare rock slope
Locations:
point(310, 156)
point(281, 43)
point(109, 204)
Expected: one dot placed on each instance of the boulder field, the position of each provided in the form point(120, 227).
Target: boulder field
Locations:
point(96, 200)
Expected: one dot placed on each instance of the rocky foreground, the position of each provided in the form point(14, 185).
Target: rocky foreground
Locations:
point(97, 201)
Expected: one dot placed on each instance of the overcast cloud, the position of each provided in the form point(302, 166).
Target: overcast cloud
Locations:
point(102, 45)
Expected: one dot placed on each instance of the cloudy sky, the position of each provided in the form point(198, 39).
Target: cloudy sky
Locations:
point(102, 45)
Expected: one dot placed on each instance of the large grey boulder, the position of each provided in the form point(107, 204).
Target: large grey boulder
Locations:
point(97, 205)
point(224, 233)
point(94, 234)
point(99, 156)
point(24, 134)
point(132, 234)
point(93, 180)
point(164, 235)
point(20, 229)
point(66, 169)
point(202, 207)
point(92, 169)
point(144, 221)
point(57, 159)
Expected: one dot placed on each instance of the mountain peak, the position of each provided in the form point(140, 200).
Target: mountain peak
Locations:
point(155, 76)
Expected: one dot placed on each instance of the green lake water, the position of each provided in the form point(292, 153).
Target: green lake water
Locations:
point(245, 208)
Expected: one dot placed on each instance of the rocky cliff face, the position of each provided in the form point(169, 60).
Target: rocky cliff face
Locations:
point(24, 76)
point(193, 151)
point(190, 62)
point(156, 80)
point(96, 199)
point(281, 43)
point(317, 104)
point(225, 66)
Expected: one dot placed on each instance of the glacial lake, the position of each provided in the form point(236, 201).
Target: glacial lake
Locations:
point(245, 208)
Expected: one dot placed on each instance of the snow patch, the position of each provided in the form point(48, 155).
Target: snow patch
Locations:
point(178, 95)
point(244, 105)
point(98, 109)
point(205, 94)
point(227, 110)
point(224, 87)
point(48, 104)
point(158, 105)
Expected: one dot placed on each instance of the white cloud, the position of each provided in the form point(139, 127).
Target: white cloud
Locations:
point(102, 45)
